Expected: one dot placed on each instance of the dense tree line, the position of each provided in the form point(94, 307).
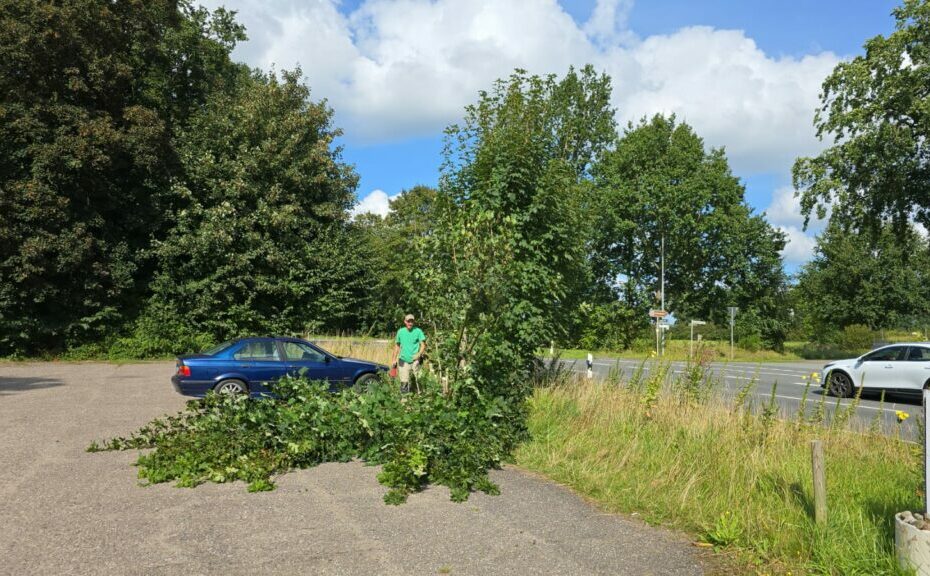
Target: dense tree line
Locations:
point(155, 197)
point(871, 264)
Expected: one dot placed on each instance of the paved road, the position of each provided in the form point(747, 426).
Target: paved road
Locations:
point(731, 377)
point(65, 511)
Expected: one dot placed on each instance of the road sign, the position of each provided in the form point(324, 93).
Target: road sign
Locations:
point(658, 313)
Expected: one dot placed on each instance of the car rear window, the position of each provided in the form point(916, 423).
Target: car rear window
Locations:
point(217, 349)
point(258, 350)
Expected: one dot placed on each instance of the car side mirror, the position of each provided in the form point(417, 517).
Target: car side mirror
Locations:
point(328, 359)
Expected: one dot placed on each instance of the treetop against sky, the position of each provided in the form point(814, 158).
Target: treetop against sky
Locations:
point(745, 75)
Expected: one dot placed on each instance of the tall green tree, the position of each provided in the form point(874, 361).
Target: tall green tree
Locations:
point(394, 245)
point(508, 237)
point(90, 94)
point(856, 278)
point(659, 182)
point(876, 110)
point(262, 244)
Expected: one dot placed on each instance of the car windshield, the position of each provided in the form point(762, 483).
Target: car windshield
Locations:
point(217, 349)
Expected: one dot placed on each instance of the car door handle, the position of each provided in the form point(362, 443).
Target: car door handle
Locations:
point(242, 366)
point(888, 366)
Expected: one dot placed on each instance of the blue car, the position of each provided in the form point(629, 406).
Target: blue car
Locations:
point(250, 365)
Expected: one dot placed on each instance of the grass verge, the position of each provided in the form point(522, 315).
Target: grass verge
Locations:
point(738, 479)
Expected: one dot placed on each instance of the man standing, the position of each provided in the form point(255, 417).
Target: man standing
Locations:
point(408, 347)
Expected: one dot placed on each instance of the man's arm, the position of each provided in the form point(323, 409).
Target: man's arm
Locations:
point(396, 352)
point(420, 351)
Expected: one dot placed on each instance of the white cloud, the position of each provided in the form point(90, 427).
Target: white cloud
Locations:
point(786, 209)
point(377, 202)
point(393, 69)
point(759, 108)
point(800, 246)
point(785, 214)
point(608, 22)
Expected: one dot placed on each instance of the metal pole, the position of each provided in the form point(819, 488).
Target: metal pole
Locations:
point(731, 336)
point(663, 272)
point(660, 321)
point(691, 343)
point(926, 453)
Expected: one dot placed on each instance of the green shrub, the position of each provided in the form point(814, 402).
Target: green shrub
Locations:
point(611, 326)
point(856, 337)
point(751, 342)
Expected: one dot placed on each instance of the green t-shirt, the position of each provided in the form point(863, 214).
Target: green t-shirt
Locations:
point(409, 341)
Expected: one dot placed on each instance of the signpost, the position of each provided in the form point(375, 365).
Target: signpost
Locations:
point(691, 340)
point(733, 310)
point(659, 315)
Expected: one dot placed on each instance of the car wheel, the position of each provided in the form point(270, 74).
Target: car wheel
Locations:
point(840, 384)
point(364, 382)
point(231, 387)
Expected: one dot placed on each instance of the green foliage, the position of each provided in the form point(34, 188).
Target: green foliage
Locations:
point(92, 92)
point(874, 108)
point(751, 342)
point(507, 236)
point(393, 250)
point(856, 337)
point(660, 182)
point(611, 326)
point(419, 439)
point(260, 244)
point(877, 281)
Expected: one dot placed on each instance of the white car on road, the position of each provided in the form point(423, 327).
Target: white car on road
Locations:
point(903, 367)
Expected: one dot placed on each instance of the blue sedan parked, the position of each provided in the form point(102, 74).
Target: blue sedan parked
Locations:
point(249, 365)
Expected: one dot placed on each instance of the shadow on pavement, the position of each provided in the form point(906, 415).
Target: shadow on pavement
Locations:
point(9, 385)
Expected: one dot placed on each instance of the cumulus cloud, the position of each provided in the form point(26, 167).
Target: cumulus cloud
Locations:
point(785, 214)
point(800, 246)
point(759, 108)
point(393, 69)
point(377, 202)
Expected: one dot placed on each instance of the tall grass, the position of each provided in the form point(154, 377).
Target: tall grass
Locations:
point(371, 350)
point(738, 479)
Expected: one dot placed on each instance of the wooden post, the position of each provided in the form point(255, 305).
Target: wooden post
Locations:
point(820, 482)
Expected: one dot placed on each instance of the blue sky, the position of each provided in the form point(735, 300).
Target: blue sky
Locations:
point(745, 74)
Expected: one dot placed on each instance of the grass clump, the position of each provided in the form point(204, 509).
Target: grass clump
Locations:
point(450, 439)
point(739, 479)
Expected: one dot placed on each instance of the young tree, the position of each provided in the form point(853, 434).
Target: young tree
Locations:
point(876, 108)
point(660, 182)
point(508, 237)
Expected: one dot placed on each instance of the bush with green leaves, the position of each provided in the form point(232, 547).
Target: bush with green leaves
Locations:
point(431, 437)
point(856, 337)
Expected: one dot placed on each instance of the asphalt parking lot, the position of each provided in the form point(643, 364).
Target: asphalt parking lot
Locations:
point(66, 511)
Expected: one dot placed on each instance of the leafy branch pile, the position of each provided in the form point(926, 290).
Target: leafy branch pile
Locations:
point(426, 438)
